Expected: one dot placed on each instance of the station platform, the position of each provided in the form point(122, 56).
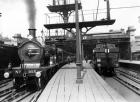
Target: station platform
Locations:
point(63, 87)
point(130, 65)
point(130, 61)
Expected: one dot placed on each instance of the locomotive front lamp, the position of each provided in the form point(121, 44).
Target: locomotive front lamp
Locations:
point(105, 50)
point(6, 75)
point(51, 62)
point(108, 50)
point(38, 74)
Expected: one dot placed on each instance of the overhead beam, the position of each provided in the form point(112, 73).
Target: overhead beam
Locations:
point(81, 24)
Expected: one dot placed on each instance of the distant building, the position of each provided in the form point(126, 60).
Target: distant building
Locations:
point(19, 39)
point(6, 40)
point(10, 42)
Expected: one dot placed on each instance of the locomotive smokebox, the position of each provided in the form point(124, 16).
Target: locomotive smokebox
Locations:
point(32, 32)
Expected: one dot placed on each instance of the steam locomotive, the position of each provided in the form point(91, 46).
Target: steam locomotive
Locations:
point(37, 62)
point(8, 53)
point(105, 58)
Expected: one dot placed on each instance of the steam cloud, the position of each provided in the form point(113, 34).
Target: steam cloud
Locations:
point(31, 12)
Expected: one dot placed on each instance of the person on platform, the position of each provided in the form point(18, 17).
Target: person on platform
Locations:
point(86, 58)
point(68, 59)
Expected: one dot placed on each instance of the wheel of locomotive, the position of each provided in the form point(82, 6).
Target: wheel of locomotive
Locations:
point(17, 82)
point(113, 71)
point(100, 70)
point(110, 71)
point(107, 71)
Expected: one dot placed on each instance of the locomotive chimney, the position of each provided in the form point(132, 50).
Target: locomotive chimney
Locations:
point(32, 32)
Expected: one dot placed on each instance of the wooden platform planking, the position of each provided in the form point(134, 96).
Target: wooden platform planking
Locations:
point(63, 87)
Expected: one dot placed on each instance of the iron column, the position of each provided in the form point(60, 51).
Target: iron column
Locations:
point(78, 46)
point(108, 9)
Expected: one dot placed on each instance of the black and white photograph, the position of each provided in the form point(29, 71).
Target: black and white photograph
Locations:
point(69, 51)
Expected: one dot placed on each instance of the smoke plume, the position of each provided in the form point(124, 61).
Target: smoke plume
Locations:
point(31, 12)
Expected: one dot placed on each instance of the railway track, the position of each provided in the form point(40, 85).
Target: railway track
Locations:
point(128, 78)
point(19, 95)
point(36, 96)
point(5, 81)
point(6, 91)
point(31, 97)
point(24, 94)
